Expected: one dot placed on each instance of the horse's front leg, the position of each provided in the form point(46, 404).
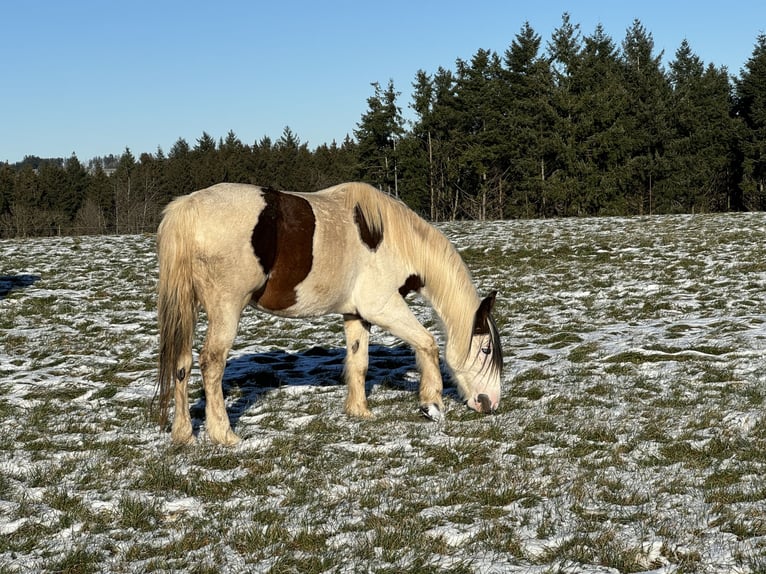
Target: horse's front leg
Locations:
point(431, 386)
point(222, 327)
point(397, 318)
point(357, 359)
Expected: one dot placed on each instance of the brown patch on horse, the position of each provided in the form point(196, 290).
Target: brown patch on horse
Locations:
point(412, 283)
point(282, 241)
point(369, 235)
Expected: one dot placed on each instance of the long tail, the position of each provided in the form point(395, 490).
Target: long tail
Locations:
point(176, 301)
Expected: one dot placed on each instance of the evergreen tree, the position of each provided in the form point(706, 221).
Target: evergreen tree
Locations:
point(565, 54)
point(417, 160)
point(234, 158)
point(585, 128)
point(24, 217)
point(334, 164)
point(7, 179)
point(751, 108)
point(178, 172)
point(480, 107)
point(377, 135)
point(699, 150)
point(51, 180)
point(97, 212)
point(291, 163)
point(565, 51)
point(206, 168)
point(598, 100)
point(448, 127)
point(436, 139)
point(72, 195)
point(528, 122)
point(262, 161)
point(7, 182)
point(644, 119)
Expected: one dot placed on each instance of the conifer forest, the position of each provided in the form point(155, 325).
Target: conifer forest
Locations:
point(578, 124)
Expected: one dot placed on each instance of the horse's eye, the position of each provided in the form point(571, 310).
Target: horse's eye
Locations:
point(486, 350)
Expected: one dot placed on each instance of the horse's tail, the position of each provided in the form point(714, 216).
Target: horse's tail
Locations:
point(176, 300)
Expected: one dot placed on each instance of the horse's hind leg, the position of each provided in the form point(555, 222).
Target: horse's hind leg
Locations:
point(357, 343)
point(181, 432)
point(222, 328)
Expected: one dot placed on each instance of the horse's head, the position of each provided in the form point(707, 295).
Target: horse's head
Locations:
point(479, 378)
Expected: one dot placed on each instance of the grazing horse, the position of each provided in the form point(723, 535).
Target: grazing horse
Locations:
point(349, 249)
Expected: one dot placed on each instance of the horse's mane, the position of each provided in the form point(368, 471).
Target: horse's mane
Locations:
point(447, 281)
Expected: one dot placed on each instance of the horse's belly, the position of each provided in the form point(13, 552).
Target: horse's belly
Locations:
point(307, 299)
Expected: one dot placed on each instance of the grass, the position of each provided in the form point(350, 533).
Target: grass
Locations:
point(630, 435)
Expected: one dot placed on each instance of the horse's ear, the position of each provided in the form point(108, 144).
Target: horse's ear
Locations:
point(481, 320)
point(488, 303)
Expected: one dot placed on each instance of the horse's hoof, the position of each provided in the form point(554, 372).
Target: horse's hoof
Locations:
point(228, 439)
point(364, 413)
point(183, 439)
point(432, 412)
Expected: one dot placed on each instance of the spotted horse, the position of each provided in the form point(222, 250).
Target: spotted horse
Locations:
point(350, 250)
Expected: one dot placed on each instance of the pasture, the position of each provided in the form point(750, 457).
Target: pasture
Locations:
point(631, 436)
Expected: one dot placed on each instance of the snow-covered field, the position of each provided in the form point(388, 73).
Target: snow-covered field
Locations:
point(631, 436)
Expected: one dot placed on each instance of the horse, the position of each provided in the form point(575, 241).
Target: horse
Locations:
point(350, 250)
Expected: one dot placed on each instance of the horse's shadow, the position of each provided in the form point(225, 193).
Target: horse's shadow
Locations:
point(10, 283)
point(250, 377)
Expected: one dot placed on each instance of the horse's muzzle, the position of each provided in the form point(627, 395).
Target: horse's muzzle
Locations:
point(485, 403)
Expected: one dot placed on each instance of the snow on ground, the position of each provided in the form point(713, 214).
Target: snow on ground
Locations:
point(631, 435)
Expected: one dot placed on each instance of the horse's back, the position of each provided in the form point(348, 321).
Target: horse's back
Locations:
point(299, 254)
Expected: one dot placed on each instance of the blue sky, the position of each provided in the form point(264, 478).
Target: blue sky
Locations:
point(95, 77)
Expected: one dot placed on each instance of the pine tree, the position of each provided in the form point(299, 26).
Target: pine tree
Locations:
point(481, 107)
point(437, 135)
point(377, 135)
point(645, 118)
point(699, 150)
point(234, 158)
point(178, 172)
point(97, 212)
point(528, 122)
point(7, 178)
point(415, 151)
point(72, 195)
point(565, 52)
point(751, 108)
point(206, 167)
point(291, 163)
point(334, 163)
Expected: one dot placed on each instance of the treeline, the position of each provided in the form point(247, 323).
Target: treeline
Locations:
point(583, 127)
point(126, 194)
point(577, 126)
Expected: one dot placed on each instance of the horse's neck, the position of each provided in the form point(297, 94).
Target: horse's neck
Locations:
point(450, 290)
